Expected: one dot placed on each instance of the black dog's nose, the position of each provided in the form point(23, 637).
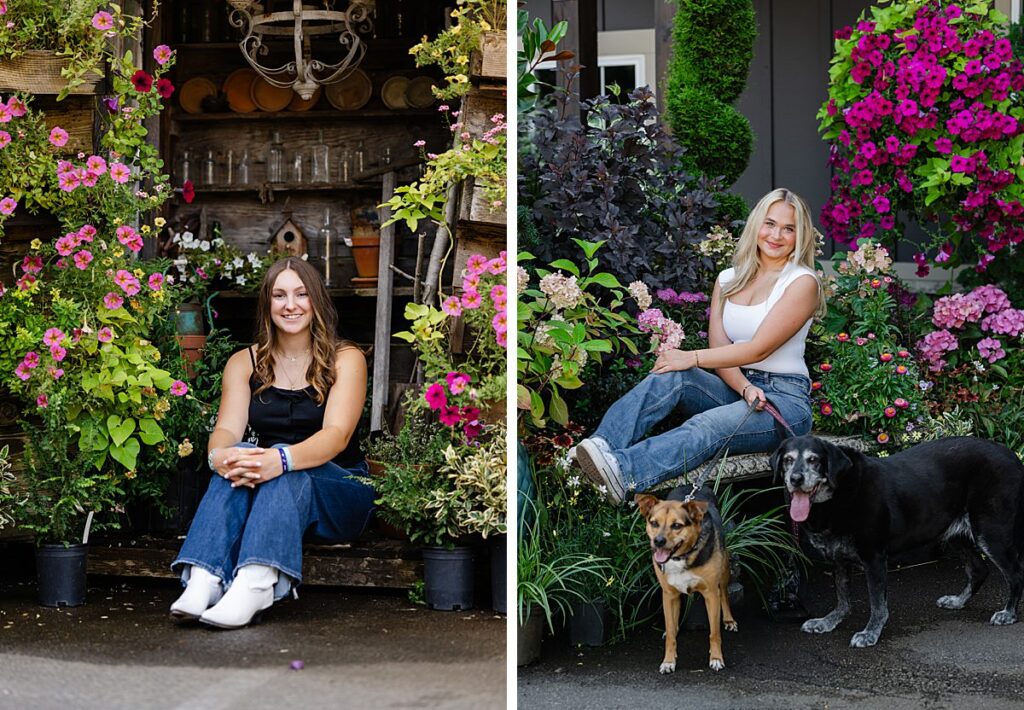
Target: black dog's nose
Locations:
point(796, 479)
point(659, 541)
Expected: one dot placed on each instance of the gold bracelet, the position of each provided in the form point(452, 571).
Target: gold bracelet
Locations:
point(696, 357)
point(743, 392)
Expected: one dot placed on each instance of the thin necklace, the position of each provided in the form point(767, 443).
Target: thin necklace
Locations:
point(287, 375)
point(303, 354)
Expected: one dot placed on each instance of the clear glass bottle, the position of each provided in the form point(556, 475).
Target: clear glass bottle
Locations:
point(320, 170)
point(345, 166)
point(209, 169)
point(208, 30)
point(359, 159)
point(385, 156)
point(186, 166)
point(229, 168)
point(275, 160)
point(297, 167)
point(327, 235)
point(244, 171)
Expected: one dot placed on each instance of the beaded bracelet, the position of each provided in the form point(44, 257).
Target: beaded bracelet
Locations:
point(284, 460)
point(288, 457)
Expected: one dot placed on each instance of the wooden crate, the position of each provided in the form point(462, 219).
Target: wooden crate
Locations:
point(491, 62)
point(38, 72)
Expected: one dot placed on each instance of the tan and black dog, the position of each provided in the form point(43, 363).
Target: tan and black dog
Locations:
point(689, 555)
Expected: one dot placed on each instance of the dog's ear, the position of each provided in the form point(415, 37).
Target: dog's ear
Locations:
point(776, 460)
point(697, 509)
point(645, 501)
point(838, 463)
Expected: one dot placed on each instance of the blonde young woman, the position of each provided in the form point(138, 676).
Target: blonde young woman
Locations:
point(298, 392)
point(761, 310)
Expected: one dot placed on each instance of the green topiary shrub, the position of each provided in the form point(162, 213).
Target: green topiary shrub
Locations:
point(712, 48)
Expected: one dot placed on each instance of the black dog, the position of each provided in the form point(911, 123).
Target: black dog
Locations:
point(857, 508)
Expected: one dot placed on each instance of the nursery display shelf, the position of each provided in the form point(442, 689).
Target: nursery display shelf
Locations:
point(391, 564)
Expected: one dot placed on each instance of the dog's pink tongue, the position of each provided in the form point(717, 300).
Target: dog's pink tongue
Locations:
point(661, 555)
point(799, 506)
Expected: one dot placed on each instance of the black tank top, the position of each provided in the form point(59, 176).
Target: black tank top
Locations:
point(282, 416)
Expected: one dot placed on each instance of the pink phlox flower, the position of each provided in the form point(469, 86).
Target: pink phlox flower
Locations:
point(53, 336)
point(58, 137)
point(179, 388)
point(112, 301)
point(435, 396)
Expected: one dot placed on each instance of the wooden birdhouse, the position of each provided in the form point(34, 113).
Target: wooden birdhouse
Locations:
point(287, 239)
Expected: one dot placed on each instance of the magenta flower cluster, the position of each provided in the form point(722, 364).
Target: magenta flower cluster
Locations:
point(916, 103)
point(986, 308)
point(666, 334)
point(451, 415)
point(478, 267)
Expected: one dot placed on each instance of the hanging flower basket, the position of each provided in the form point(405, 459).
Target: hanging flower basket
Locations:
point(38, 71)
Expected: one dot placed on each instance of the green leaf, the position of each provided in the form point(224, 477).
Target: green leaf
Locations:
point(119, 429)
point(605, 279)
point(150, 432)
point(522, 397)
point(128, 454)
point(566, 265)
point(559, 410)
point(536, 405)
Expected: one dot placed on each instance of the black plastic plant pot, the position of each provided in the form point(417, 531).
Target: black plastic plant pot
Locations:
point(590, 623)
point(499, 573)
point(448, 578)
point(60, 572)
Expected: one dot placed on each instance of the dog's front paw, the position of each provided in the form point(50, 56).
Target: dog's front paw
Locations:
point(731, 626)
point(667, 667)
point(863, 639)
point(1003, 618)
point(817, 626)
point(716, 664)
point(950, 601)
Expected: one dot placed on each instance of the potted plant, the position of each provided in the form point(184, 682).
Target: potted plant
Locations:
point(59, 48)
point(9, 500)
point(546, 577)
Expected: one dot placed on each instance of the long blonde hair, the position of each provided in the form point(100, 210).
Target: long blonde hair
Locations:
point(745, 260)
point(323, 329)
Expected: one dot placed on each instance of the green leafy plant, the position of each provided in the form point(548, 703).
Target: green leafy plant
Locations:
point(562, 324)
point(78, 30)
point(9, 499)
point(477, 490)
point(546, 578)
point(538, 46)
point(713, 43)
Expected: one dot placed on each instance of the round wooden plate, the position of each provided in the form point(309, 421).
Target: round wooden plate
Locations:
point(418, 94)
point(270, 98)
point(192, 93)
point(350, 93)
point(238, 88)
point(393, 92)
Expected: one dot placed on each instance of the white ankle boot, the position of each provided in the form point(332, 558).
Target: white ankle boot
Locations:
point(250, 593)
point(202, 591)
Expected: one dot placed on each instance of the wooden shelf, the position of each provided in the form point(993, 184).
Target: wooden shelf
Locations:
point(373, 46)
point(360, 292)
point(286, 187)
point(358, 115)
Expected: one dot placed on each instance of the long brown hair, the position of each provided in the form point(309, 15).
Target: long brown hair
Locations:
point(323, 329)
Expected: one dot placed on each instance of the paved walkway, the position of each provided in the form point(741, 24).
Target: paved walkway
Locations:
point(360, 650)
point(927, 658)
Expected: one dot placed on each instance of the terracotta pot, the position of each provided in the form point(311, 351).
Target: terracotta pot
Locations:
point(191, 349)
point(381, 526)
point(366, 252)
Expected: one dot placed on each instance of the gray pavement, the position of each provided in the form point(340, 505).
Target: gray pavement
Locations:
point(927, 658)
point(359, 649)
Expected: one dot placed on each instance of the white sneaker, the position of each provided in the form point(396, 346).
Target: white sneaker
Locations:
point(597, 461)
point(202, 591)
point(250, 593)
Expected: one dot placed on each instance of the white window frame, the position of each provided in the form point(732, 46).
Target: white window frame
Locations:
point(637, 61)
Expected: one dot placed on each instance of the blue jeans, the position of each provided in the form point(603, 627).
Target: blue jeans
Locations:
point(714, 412)
point(234, 527)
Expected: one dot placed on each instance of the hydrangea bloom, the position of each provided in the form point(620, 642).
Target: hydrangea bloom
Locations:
point(561, 290)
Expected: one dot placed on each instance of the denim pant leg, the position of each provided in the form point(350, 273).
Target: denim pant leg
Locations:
point(655, 397)
point(215, 534)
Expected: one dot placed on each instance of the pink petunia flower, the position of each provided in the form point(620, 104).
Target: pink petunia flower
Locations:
point(825, 409)
point(58, 353)
point(499, 295)
point(32, 264)
point(82, 259)
point(105, 335)
point(457, 382)
point(112, 301)
point(55, 372)
point(452, 306)
point(162, 54)
point(42, 400)
point(96, 164)
point(120, 173)
point(500, 322)
point(5, 139)
point(22, 371)
point(69, 181)
point(179, 388)
point(103, 21)
point(53, 336)
point(156, 281)
point(449, 416)
point(435, 396)
point(8, 205)
point(476, 264)
point(31, 359)
point(471, 300)
point(496, 266)
point(58, 137)
point(127, 281)
point(87, 232)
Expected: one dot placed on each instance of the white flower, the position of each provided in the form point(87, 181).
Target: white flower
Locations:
point(574, 482)
point(562, 291)
point(522, 279)
point(638, 290)
point(204, 245)
point(237, 262)
point(240, 281)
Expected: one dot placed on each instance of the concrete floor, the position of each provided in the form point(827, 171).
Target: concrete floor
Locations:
point(927, 658)
point(360, 649)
